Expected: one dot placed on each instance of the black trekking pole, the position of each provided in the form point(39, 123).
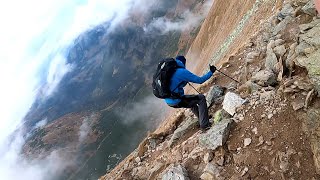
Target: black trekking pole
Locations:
point(228, 76)
point(194, 88)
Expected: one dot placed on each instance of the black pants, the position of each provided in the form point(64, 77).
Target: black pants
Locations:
point(198, 106)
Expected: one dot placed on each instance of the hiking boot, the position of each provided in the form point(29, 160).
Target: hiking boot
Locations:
point(204, 129)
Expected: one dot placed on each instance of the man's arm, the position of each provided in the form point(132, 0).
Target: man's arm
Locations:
point(190, 77)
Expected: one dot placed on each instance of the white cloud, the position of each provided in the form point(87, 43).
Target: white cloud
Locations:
point(84, 130)
point(41, 124)
point(144, 7)
point(47, 168)
point(13, 166)
point(149, 110)
point(188, 20)
point(58, 68)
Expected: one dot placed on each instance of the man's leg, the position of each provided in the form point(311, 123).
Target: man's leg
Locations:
point(195, 110)
point(203, 111)
point(198, 106)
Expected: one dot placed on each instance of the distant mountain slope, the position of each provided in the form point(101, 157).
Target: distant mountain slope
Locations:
point(112, 68)
point(108, 65)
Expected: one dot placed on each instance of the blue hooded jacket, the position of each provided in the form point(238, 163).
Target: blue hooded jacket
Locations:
point(180, 79)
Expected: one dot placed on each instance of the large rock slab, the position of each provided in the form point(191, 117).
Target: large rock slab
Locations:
point(312, 63)
point(310, 8)
point(176, 173)
point(217, 135)
point(189, 124)
point(282, 25)
point(306, 27)
point(304, 49)
point(312, 36)
point(310, 59)
point(214, 94)
point(311, 125)
point(231, 102)
point(271, 60)
point(265, 78)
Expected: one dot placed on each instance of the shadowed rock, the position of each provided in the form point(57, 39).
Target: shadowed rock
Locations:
point(217, 135)
point(214, 94)
point(189, 124)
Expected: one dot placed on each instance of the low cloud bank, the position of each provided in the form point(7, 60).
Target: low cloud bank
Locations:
point(149, 110)
point(85, 129)
point(15, 166)
point(58, 68)
point(41, 124)
point(187, 20)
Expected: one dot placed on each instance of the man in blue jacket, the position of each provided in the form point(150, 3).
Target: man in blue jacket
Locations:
point(197, 103)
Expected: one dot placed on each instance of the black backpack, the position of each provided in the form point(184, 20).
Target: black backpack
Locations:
point(162, 77)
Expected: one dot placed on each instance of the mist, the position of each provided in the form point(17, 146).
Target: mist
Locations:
point(150, 110)
point(187, 20)
point(35, 38)
point(41, 124)
point(85, 129)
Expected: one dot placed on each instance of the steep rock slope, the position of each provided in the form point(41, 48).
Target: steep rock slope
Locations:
point(274, 134)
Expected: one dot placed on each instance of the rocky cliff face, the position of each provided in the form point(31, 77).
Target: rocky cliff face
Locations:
point(273, 133)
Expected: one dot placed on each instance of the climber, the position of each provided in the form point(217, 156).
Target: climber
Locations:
point(197, 103)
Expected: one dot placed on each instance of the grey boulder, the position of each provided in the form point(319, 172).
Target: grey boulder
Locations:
point(265, 78)
point(217, 135)
point(177, 172)
point(214, 94)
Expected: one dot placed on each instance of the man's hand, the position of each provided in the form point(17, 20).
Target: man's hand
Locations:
point(213, 69)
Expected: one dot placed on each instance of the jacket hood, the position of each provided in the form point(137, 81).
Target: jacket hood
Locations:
point(180, 64)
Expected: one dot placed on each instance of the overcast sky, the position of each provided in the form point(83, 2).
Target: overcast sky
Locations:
point(33, 37)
